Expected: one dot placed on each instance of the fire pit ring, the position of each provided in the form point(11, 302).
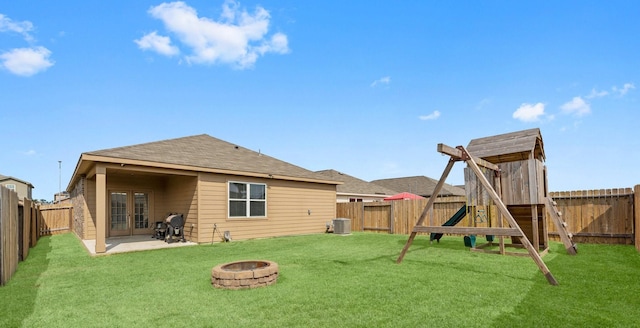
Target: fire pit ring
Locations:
point(244, 274)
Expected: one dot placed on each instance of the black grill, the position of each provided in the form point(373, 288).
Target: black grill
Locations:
point(174, 228)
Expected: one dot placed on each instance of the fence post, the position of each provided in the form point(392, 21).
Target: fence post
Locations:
point(636, 216)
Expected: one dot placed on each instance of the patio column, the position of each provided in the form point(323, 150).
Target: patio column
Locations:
point(101, 208)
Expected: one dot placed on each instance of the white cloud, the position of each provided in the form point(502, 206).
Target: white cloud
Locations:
point(625, 88)
point(431, 116)
point(382, 80)
point(238, 38)
point(483, 103)
point(160, 44)
point(8, 25)
point(30, 152)
point(577, 106)
point(23, 61)
point(597, 94)
point(529, 112)
point(26, 61)
point(615, 90)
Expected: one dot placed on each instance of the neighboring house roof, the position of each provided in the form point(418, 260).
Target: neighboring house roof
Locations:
point(353, 185)
point(508, 147)
point(5, 178)
point(419, 185)
point(200, 153)
point(404, 195)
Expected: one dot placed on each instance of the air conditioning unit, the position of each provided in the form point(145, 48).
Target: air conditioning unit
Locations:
point(342, 226)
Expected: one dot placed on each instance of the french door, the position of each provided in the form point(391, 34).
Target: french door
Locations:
point(129, 213)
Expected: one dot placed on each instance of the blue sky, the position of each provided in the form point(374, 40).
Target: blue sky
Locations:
point(369, 90)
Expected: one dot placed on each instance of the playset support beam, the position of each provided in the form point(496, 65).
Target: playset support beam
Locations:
point(432, 199)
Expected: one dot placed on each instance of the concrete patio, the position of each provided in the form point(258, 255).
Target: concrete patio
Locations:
point(132, 244)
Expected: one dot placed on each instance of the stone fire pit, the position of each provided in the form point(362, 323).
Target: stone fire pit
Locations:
point(244, 274)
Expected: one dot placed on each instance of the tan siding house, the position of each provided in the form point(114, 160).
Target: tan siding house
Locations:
point(214, 184)
point(23, 188)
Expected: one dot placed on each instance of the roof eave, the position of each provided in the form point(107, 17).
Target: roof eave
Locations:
point(87, 161)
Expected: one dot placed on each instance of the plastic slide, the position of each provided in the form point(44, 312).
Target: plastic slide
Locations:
point(460, 214)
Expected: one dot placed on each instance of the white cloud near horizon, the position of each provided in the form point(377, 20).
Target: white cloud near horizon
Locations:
point(577, 106)
point(625, 88)
point(383, 80)
point(529, 112)
point(26, 61)
point(238, 38)
point(431, 116)
point(160, 44)
point(23, 28)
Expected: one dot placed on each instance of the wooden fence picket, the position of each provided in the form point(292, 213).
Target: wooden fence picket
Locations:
point(593, 216)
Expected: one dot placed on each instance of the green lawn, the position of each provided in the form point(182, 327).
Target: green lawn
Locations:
point(325, 281)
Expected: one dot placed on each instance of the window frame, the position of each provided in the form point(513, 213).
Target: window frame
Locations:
point(11, 186)
point(248, 200)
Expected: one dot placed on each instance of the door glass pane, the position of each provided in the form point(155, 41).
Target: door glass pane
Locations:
point(141, 210)
point(119, 211)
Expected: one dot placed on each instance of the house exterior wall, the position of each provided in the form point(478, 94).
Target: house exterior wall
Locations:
point(79, 204)
point(23, 190)
point(90, 210)
point(180, 196)
point(293, 208)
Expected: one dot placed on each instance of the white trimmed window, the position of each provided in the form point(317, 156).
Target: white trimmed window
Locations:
point(247, 200)
point(10, 186)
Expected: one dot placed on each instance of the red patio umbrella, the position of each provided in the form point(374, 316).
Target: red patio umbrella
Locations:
point(404, 195)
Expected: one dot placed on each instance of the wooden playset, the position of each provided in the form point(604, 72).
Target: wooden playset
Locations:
point(504, 174)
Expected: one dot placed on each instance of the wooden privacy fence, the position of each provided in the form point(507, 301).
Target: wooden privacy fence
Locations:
point(22, 223)
point(593, 216)
point(9, 237)
point(597, 216)
point(18, 231)
point(397, 217)
point(55, 219)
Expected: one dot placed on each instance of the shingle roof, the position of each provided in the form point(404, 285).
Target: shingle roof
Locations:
point(354, 185)
point(509, 146)
point(4, 177)
point(419, 185)
point(208, 152)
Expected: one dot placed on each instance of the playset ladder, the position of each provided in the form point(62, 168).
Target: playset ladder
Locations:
point(561, 226)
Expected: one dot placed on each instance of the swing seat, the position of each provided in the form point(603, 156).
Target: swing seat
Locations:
point(470, 241)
